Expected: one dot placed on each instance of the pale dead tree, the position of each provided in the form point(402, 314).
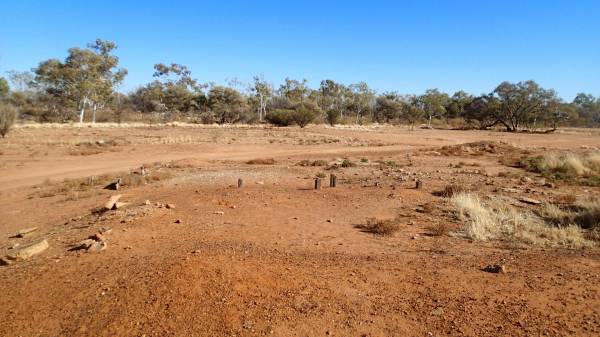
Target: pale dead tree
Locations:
point(264, 92)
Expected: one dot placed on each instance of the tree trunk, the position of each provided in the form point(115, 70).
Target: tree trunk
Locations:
point(81, 114)
point(94, 113)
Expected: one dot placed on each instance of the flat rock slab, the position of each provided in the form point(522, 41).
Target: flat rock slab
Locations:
point(530, 201)
point(112, 201)
point(26, 252)
point(25, 232)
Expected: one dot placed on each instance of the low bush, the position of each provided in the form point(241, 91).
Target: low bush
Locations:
point(381, 227)
point(303, 116)
point(261, 161)
point(281, 117)
point(8, 116)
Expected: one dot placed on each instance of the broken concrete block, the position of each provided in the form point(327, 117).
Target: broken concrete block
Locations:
point(112, 201)
point(26, 252)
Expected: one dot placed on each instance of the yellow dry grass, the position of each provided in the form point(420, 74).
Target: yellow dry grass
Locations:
point(497, 219)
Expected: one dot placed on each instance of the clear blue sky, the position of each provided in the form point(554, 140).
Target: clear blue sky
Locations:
point(407, 46)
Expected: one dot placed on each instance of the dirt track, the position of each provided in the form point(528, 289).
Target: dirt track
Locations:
point(282, 259)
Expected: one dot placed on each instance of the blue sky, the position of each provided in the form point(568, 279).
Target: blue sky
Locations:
point(407, 46)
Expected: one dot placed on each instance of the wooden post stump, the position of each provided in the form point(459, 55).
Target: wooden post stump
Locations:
point(332, 180)
point(418, 184)
point(240, 182)
point(317, 183)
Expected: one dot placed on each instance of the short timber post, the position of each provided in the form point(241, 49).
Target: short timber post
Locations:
point(317, 183)
point(419, 184)
point(332, 180)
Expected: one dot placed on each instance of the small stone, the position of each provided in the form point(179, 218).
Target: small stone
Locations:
point(178, 221)
point(147, 203)
point(437, 311)
point(170, 206)
point(219, 212)
point(97, 246)
point(526, 179)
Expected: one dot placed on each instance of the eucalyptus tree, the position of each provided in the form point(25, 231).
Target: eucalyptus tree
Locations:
point(523, 104)
point(433, 103)
point(333, 96)
point(362, 99)
point(86, 78)
point(264, 92)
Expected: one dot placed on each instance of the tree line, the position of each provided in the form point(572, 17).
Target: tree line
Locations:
point(85, 87)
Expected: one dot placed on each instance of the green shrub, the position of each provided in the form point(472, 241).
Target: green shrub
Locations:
point(303, 116)
point(333, 117)
point(281, 117)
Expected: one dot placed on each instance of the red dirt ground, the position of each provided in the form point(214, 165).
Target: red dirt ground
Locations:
point(282, 259)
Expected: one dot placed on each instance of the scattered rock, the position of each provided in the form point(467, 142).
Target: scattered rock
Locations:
point(147, 203)
point(178, 221)
point(170, 206)
point(495, 269)
point(219, 212)
point(25, 252)
point(510, 190)
point(25, 232)
point(437, 311)
point(530, 201)
point(97, 246)
point(526, 179)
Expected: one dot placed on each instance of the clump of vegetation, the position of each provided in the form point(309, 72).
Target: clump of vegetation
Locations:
point(333, 117)
point(281, 117)
point(496, 219)
point(450, 191)
point(261, 161)
point(577, 168)
point(439, 229)
point(321, 175)
point(380, 227)
point(364, 160)
point(8, 116)
point(347, 163)
point(303, 116)
point(307, 162)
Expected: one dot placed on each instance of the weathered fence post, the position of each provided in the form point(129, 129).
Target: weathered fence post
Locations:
point(240, 182)
point(317, 183)
point(418, 184)
point(332, 180)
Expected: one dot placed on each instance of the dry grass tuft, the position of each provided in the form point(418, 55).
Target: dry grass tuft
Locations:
point(307, 162)
point(439, 229)
point(580, 168)
point(261, 161)
point(450, 191)
point(380, 227)
point(498, 220)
